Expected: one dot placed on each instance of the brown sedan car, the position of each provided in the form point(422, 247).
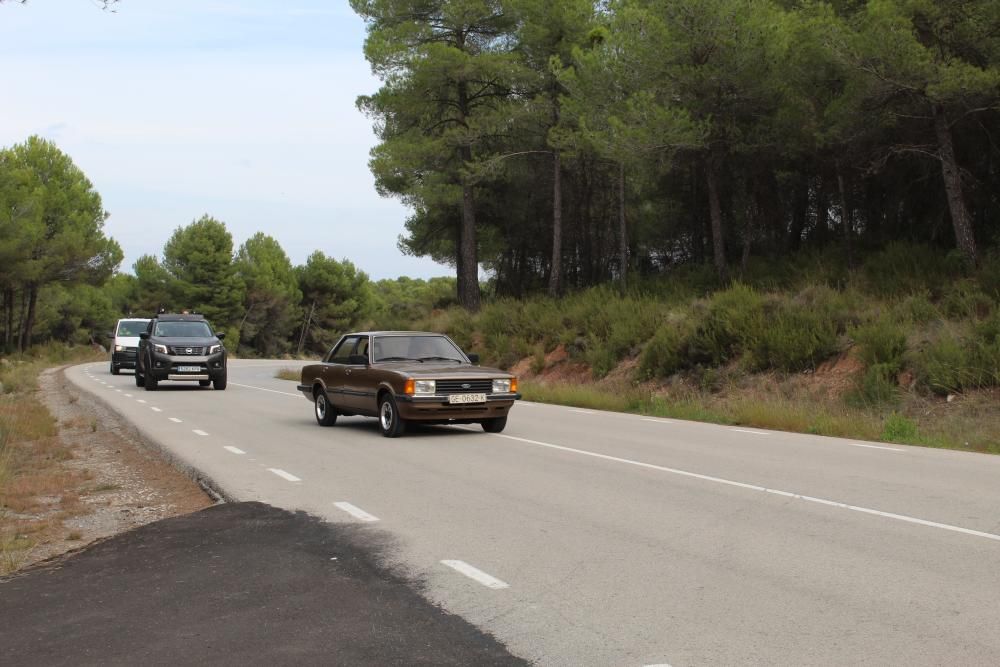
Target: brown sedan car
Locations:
point(402, 376)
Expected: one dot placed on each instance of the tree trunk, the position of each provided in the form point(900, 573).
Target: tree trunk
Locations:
point(622, 229)
point(845, 217)
point(8, 309)
point(555, 275)
point(468, 277)
point(964, 237)
point(715, 213)
point(800, 209)
point(29, 320)
point(305, 329)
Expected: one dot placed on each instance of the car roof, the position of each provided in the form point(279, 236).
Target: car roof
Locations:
point(180, 317)
point(395, 333)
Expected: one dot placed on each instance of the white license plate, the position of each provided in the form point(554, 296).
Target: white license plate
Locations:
point(188, 369)
point(467, 398)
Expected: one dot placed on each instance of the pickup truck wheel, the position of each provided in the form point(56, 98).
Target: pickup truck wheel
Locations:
point(326, 414)
point(494, 424)
point(220, 382)
point(151, 383)
point(388, 417)
point(140, 379)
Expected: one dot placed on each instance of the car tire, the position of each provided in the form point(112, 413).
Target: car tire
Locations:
point(219, 382)
point(388, 417)
point(114, 369)
point(140, 379)
point(151, 383)
point(494, 424)
point(204, 383)
point(326, 414)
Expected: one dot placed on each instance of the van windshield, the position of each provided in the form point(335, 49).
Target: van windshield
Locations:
point(132, 328)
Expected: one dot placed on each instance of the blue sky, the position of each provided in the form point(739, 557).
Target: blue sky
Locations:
point(240, 109)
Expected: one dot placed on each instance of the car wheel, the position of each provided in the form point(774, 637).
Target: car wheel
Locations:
point(220, 382)
point(115, 370)
point(204, 383)
point(388, 417)
point(140, 379)
point(326, 414)
point(494, 424)
point(152, 383)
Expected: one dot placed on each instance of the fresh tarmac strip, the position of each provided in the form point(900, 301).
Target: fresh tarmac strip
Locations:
point(625, 540)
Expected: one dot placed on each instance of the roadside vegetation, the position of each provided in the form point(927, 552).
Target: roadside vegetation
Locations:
point(37, 492)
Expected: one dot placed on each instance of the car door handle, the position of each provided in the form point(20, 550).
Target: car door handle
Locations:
point(348, 371)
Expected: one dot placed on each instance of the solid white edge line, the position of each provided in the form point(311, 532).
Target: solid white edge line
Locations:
point(198, 431)
point(285, 475)
point(175, 420)
point(272, 391)
point(487, 580)
point(354, 511)
point(234, 450)
point(755, 487)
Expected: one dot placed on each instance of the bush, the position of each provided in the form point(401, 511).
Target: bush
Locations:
point(915, 309)
point(733, 317)
point(904, 268)
point(796, 339)
point(666, 352)
point(945, 365)
point(876, 387)
point(898, 428)
point(881, 342)
point(964, 300)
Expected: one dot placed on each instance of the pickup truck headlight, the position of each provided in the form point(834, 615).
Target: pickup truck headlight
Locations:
point(424, 387)
point(119, 348)
point(504, 386)
point(162, 349)
point(214, 349)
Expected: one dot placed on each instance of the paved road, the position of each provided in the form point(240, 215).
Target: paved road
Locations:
point(589, 538)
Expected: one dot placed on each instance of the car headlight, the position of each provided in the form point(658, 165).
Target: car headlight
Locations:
point(119, 348)
point(502, 386)
point(424, 387)
point(214, 349)
point(162, 349)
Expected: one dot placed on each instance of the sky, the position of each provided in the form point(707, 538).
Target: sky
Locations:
point(240, 109)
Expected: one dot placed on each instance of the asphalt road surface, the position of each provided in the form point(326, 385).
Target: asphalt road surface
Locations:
point(579, 537)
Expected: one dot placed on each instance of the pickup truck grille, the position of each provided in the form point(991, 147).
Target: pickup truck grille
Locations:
point(182, 351)
point(445, 387)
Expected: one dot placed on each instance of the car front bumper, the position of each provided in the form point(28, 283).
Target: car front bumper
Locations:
point(437, 408)
point(167, 367)
point(124, 359)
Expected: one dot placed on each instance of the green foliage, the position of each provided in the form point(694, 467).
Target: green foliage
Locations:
point(272, 297)
point(963, 299)
point(666, 352)
point(904, 268)
point(794, 339)
point(897, 428)
point(881, 341)
point(876, 387)
point(336, 298)
point(728, 322)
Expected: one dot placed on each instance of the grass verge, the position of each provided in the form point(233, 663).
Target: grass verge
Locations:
point(288, 374)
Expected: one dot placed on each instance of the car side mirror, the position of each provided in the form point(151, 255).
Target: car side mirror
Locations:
point(473, 357)
point(110, 334)
point(144, 335)
point(221, 336)
point(358, 360)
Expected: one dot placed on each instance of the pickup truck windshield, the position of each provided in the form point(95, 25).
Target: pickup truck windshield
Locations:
point(182, 330)
point(415, 348)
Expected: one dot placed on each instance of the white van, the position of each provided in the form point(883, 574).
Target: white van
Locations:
point(125, 343)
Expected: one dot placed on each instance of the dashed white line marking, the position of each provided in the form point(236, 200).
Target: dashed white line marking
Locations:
point(118, 390)
point(755, 487)
point(234, 450)
point(271, 391)
point(175, 420)
point(154, 409)
point(658, 420)
point(473, 573)
point(128, 395)
point(888, 449)
point(139, 400)
point(285, 475)
point(356, 512)
point(581, 411)
point(198, 431)
point(746, 430)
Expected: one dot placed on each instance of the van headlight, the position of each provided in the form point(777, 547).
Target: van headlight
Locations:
point(501, 386)
point(214, 349)
point(119, 348)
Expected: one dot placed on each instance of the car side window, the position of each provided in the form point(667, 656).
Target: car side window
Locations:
point(362, 348)
point(343, 351)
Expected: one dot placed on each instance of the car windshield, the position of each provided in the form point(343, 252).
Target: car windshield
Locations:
point(182, 330)
point(133, 328)
point(415, 348)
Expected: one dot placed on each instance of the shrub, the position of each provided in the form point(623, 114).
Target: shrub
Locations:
point(916, 309)
point(733, 317)
point(876, 387)
point(666, 352)
point(945, 365)
point(795, 339)
point(964, 300)
point(881, 342)
point(903, 268)
point(898, 428)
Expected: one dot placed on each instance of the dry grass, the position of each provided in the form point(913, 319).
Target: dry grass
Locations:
point(289, 374)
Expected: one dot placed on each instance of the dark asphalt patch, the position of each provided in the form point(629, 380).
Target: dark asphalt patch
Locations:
point(240, 583)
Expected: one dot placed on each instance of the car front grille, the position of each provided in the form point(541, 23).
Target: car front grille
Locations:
point(182, 351)
point(445, 387)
